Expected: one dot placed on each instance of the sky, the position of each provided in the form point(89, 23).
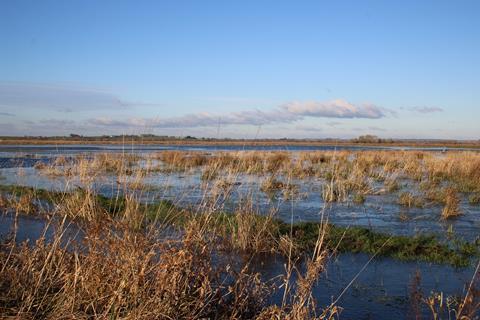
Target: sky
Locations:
point(241, 69)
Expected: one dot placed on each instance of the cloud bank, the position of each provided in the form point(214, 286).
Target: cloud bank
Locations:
point(287, 113)
point(60, 102)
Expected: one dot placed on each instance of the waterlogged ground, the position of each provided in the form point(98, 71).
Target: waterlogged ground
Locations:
point(383, 287)
point(379, 212)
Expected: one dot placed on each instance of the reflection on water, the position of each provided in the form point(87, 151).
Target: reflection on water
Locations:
point(31, 228)
point(382, 290)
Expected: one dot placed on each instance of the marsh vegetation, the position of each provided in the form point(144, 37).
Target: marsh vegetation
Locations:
point(142, 253)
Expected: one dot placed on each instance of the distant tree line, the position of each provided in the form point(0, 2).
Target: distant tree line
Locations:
point(369, 138)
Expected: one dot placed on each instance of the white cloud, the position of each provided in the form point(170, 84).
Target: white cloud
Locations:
point(338, 108)
point(204, 119)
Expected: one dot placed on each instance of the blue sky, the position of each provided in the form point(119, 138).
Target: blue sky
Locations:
point(313, 69)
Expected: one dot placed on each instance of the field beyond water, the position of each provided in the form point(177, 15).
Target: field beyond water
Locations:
point(235, 232)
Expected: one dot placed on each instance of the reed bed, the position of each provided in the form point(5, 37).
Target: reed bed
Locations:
point(348, 175)
point(345, 176)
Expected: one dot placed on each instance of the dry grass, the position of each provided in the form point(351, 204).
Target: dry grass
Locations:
point(345, 175)
point(452, 205)
point(23, 204)
point(459, 169)
point(128, 277)
point(123, 268)
point(271, 185)
point(117, 271)
point(409, 200)
point(474, 199)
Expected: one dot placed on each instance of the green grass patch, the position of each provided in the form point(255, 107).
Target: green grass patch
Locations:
point(358, 239)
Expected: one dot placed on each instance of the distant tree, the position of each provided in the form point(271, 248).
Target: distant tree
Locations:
point(368, 138)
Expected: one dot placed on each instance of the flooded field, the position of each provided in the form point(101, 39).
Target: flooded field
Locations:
point(398, 195)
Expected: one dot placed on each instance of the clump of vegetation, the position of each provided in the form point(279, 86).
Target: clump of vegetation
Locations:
point(182, 160)
point(23, 203)
point(334, 192)
point(251, 232)
point(275, 161)
point(452, 205)
point(209, 173)
point(271, 184)
point(4, 202)
point(315, 157)
point(392, 186)
point(359, 198)
point(290, 191)
point(81, 204)
point(50, 170)
point(474, 199)
point(436, 195)
point(409, 200)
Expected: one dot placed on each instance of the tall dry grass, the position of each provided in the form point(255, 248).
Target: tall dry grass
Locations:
point(125, 265)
